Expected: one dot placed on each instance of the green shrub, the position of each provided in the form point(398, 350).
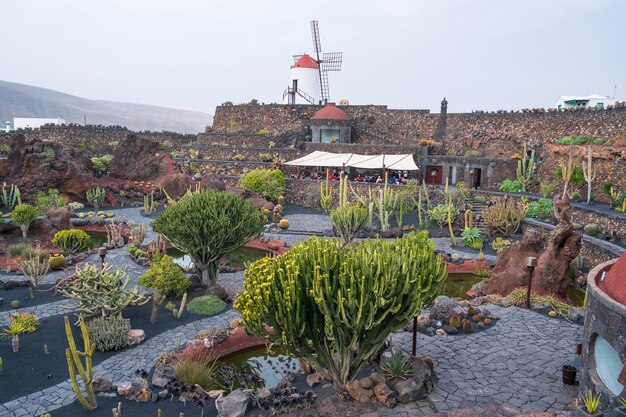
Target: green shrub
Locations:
point(440, 214)
point(480, 199)
point(268, 184)
point(348, 221)
point(578, 176)
point(165, 278)
point(72, 241)
point(208, 226)
point(511, 186)
point(101, 163)
point(24, 214)
point(506, 215)
point(49, 199)
point(591, 229)
point(266, 157)
point(543, 207)
point(28, 321)
point(576, 195)
point(207, 305)
point(17, 249)
point(546, 188)
point(336, 305)
point(500, 243)
point(577, 140)
point(108, 333)
point(199, 371)
point(471, 238)
point(398, 365)
point(473, 153)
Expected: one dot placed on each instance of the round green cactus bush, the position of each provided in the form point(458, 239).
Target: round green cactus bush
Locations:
point(72, 241)
point(348, 221)
point(24, 214)
point(336, 305)
point(207, 305)
point(209, 225)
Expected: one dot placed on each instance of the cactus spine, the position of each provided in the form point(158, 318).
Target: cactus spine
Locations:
point(525, 167)
point(589, 173)
point(567, 170)
point(74, 363)
point(469, 219)
point(326, 193)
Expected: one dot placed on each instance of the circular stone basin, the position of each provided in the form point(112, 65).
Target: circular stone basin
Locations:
point(238, 259)
point(272, 367)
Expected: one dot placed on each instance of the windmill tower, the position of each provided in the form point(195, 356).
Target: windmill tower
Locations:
point(308, 77)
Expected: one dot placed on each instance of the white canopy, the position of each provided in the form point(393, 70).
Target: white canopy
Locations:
point(402, 162)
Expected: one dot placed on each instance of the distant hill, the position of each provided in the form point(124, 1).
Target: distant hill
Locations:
point(20, 100)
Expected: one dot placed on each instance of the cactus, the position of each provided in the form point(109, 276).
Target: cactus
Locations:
point(506, 215)
point(276, 217)
point(469, 220)
point(480, 325)
point(115, 238)
point(476, 317)
point(138, 233)
point(357, 294)
point(343, 189)
point(470, 311)
point(450, 217)
point(95, 197)
point(589, 172)
point(149, 205)
point(567, 170)
point(72, 241)
point(487, 322)
point(24, 214)
point(108, 333)
point(74, 364)
point(34, 266)
point(348, 220)
point(156, 247)
point(179, 313)
point(283, 224)
point(525, 167)
point(12, 198)
point(326, 193)
point(281, 200)
point(99, 292)
point(455, 321)
point(467, 326)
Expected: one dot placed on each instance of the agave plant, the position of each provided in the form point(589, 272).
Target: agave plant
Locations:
point(396, 366)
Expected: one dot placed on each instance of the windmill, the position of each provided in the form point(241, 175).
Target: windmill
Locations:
point(318, 67)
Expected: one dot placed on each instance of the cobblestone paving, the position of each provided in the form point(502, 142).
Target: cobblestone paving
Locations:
point(512, 367)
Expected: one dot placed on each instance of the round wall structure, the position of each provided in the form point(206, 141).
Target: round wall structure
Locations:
point(604, 341)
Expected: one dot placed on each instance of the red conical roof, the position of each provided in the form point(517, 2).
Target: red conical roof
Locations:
point(330, 111)
point(614, 283)
point(306, 61)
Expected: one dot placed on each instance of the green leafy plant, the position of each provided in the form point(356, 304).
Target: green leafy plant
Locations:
point(506, 215)
point(74, 364)
point(348, 221)
point(546, 188)
point(24, 214)
point(511, 186)
point(500, 243)
point(12, 197)
point(200, 370)
point(209, 225)
point(17, 249)
point(207, 305)
point(266, 157)
point(542, 207)
point(165, 278)
point(397, 365)
point(576, 140)
point(239, 157)
point(98, 292)
point(49, 199)
point(28, 321)
point(95, 197)
point(101, 163)
point(13, 329)
point(320, 284)
point(72, 241)
point(440, 213)
point(268, 184)
point(591, 402)
point(471, 237)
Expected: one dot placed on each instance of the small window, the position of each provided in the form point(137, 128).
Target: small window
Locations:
point(559, 107)
point(601, 105)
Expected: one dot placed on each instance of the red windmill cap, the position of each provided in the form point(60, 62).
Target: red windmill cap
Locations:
point(306, 61)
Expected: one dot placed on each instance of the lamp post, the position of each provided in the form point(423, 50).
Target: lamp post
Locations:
point(531, 263)
point(102, 252)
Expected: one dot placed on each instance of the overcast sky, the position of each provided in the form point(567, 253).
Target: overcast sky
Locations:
point(196, 54)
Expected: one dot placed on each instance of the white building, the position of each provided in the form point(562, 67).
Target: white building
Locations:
point(593, 100)
point(304, 82)
point(35, 122)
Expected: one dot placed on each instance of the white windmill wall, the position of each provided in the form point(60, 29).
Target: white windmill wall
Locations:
point(308, 82)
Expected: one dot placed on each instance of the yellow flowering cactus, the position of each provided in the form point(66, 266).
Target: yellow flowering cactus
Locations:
point(335, 306)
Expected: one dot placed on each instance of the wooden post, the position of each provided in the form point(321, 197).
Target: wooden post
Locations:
point(531, 263)
point(414, 335)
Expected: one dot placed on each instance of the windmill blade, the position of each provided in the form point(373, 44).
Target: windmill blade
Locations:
point(331, 61)
point(296, 58)
point(317, 44)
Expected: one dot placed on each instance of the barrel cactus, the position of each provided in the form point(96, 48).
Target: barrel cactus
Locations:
point(358, 294)
point(283, 224)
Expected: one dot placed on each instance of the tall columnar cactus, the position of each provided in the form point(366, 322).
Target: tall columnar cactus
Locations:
point(567, 170)
point(525, 167)
point(326, 193)
point(469, 219)
point(11, 198)
point(95, 197)
point(450, 217)
point(343, 189)
point(336, 306)
point(589, 172)
point(74, 363)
